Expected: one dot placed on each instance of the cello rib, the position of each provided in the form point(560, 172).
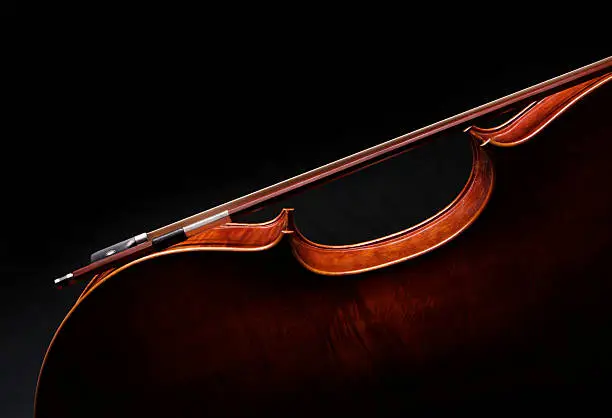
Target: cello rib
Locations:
point(361, 257)
point(406, 244)
point(365, 256)
point(536, 116)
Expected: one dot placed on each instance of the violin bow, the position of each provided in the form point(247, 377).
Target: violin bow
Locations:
point(164, 237)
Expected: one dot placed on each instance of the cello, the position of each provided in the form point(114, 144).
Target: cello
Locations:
point(253, 328)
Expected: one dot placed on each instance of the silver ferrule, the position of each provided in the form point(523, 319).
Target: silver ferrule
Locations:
point(140, 238)
point(199, 224)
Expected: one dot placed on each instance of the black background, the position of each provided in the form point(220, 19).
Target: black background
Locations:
point(113, 143)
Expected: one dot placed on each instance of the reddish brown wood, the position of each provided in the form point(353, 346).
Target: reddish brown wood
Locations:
point(227, 237)
point(356, 258)
point(407, 244)
point(513, 132)
point(215, 326)
point(238, 236)
point(536, 116)
point(343, 164)
point(115, 259)
point(518, 304)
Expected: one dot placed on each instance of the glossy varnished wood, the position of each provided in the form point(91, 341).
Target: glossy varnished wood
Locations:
point(355, 258)
point(536, 116)
point(513, 132)
point(228, 236)
point(239, 236)
point(407, 244)
point(404, 245)
point(517, 305)
point(343, 164)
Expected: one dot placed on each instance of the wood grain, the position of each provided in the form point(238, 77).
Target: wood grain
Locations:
point(536, 116)
point(517, 308)
point(407, 244)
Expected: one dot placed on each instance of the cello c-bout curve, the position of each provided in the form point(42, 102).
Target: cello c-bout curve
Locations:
point(536, 116)
point(361, 257)
point(365, 256)
point(406, 244)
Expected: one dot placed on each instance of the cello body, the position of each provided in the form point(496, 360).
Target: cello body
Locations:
point(507, 300)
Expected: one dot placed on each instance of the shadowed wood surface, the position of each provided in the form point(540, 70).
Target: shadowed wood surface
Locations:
point(516, 307)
